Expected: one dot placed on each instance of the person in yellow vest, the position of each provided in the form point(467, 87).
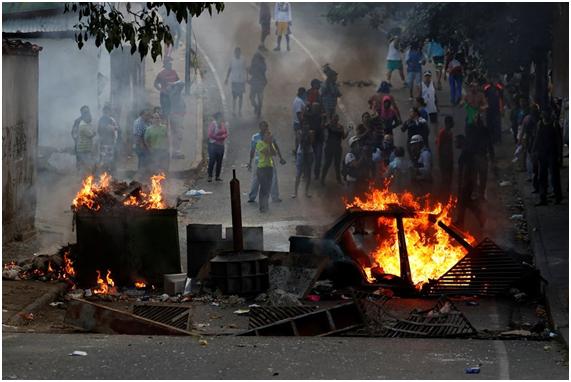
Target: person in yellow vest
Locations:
point(266, 151)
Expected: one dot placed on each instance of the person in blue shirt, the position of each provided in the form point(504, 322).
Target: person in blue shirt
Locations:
point(414, 62)
point(434, 52)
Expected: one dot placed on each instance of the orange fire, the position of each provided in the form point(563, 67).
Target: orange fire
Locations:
point(68, 270)
point(140, 284)
point(105, 286)
point(50, 269)
point(88, 193)
point(92, 194)
point(431, 251)
point(153, 200)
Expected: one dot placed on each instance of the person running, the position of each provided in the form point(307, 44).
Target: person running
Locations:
point(428, 93)
point(333, 150)
point(163, 82)
point(275, 193)
point(258, 81)
point(414, 62)
point(157, 140)
point(455, 78)
point(265, 19)
point(394, 60)
point(435, 53)
point(282, 16)
point(217, 134)
point(237, 75)
point(445, 145)
point(266, 151)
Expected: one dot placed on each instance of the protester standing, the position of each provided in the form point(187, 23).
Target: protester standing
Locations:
point(333, 150)
point(108, 132)
point(282, 16)
point(258, 81)
point(545, 150)
point(237, 75)
point(275, 193)
point(394, 60)
point(157, 140)
point(421, 157)
point(298, 108)
point(265, 19)
point(428, 93)
point(467, 168)
point(217, 134)
point(455, 78)
point(435, 53)
point(481, 139)
point(304, 159)
point(445, 145)
point(399, 172)
point(85, 147)
point(494, 93)
point(265, 151)
point(414, 62)
point(176, 118)
point(139, 128)
point(85, 115)
point(330, 92)
point(163, 82)
point(415, 125)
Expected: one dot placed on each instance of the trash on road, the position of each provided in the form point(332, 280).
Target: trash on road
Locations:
point(505, 183)
point(203, 343)
point(78, 353)
point(473, 370)
point(197, 193)
point(242, 311)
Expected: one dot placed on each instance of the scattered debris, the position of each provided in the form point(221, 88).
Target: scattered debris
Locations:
point(473, 370)
point(197, 193)
point(242, 311)
point(358, 83)
point(516, 333)
point(27, 316)
point(313, 298)
point(102, 319)
point(78, 353)
point(505, 183)
point(203, 342)
point(57, 304)
point(279, 297)
point(323, 322)
point(516, 217)
point(265, 315)
point(547, 348)
point(168, 314)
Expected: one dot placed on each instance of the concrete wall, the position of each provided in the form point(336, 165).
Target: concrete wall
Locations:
point(19, 143)
point(560, 52)
point(69, 79)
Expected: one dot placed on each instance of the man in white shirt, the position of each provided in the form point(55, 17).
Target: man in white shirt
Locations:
point(394, 60)
point(422, 158)
point(282, 16)
point(428, 92)
point(237, 75)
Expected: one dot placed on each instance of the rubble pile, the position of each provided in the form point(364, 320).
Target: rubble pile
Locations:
point(58, 266)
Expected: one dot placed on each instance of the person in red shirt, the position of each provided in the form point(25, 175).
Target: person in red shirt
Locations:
point(313, 94)
point(163, 82)
point(217, 134)
point(444, 143)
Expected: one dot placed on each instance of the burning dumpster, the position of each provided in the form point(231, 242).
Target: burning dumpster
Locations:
point(125, 233)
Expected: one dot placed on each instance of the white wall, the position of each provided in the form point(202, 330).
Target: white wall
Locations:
point(68, 79)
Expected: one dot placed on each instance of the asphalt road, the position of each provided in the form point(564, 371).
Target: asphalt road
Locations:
point(45, 356)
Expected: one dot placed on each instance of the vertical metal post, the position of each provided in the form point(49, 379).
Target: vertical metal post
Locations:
point(187, 56)
point(405, 273)
point(236, 213)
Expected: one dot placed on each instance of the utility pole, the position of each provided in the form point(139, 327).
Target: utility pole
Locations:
point(188, 56)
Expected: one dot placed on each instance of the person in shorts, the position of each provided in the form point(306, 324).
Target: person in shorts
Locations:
point(414, 62)
point(237, 75)
point(282, 15)
point(434, 52)
point(394, 60)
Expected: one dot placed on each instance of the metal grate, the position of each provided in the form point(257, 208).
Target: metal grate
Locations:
point(172, 315)
point(441, 321)
point(485, 270)
point(265, 315)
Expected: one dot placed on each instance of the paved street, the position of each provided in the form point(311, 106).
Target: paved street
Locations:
point(43, 356)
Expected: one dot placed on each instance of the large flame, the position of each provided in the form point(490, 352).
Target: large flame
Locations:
point(431, 251)
point(153, 200)
point(89, 191)
point(95, 195)
point(105, 286)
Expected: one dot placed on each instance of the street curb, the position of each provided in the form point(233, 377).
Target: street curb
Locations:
point(551, 299)
point(18, 320)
